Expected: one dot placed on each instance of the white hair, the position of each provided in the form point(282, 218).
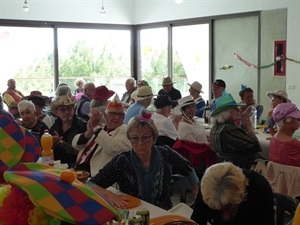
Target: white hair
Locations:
point(281, 123)
point(221, 117)
point(25, 104)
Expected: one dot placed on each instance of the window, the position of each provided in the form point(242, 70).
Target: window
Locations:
point(27, 56)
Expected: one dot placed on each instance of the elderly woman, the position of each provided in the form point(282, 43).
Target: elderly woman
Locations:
point(79, 82)
point(29, 120)
point(188, 128)
point(144, 171)
point(237, 144)
point(284, 149)
point(230, 195)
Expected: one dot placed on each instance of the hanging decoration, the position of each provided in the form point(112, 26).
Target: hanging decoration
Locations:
point(264, 66)
point(226, 67)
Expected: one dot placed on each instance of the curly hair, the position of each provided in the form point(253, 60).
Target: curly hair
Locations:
point(223, 184)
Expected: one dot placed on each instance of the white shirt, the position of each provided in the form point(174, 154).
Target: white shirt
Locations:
point(165, 126)
point(192, 132)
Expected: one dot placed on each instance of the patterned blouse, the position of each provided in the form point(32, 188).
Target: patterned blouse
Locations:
point(121, 170)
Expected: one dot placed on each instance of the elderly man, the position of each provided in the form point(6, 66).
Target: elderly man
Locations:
point(169, 90)
point(83, 104)
point(98, 146)
point(11, 97)
point(130, 87)
point(218, 89)
point(142, 97)
point(195, 90)
point(167, 133)
point(65, 127)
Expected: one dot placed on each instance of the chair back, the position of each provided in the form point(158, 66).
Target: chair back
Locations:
point(283, 179)
point(200, 155)
point(164, 140)
point(284, 208)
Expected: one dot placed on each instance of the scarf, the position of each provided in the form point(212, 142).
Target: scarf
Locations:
point(150, 180)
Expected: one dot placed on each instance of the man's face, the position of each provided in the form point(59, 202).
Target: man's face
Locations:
point(114, 119)
point(90, 90)
point(129, 85)
point(11, 84)
point(167, 87)
point(217, 90)
point(65, 112)
point(28, 118)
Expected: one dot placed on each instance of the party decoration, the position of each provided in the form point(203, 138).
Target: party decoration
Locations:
point(264, 66)
point(226, 67)
point(72, 202)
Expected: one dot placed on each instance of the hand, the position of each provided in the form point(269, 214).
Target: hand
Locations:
point(56, 138)
point(95, 117)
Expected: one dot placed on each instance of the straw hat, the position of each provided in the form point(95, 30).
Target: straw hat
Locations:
point(224, 102)
point(167, 81)
point(187, 100)
point(60, 100)
point(141, 93)
point(279, 93)
point(197, 86)
point(102, 93)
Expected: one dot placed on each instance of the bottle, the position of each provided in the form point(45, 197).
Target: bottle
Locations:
point(47, 152)
point(253, 117)
point(207, 113)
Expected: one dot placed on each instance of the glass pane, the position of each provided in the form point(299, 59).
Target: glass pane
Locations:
point(191, 57)
point(99, 56)
point(26, 55)
point(154, 56)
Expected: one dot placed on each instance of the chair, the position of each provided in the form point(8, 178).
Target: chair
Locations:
point(283, 179)
point(284, 208)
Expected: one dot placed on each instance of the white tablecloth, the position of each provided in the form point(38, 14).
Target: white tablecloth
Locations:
point(264, 140)
point(154, 210)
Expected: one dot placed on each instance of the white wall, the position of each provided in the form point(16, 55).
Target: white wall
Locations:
point(83, 11)
point(148, 11)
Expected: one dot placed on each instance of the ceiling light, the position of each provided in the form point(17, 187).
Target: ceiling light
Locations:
point(102, 12)
point(25, 6)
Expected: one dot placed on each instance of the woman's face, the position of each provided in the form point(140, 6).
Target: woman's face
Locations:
point(235, 114)
point(142, 141)
point(276, 100)
point(189, 111)
point(28, 118)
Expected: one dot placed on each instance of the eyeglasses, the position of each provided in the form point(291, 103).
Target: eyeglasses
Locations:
point(145, 139)
point(115, 114)
point(63, 110)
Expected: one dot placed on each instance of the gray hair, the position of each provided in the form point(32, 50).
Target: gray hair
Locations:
point(25, 104)
point(78, 80)
point(221, 117)
point(130, 80)
point(63, 90)
point(280, 124)
point(97, 102)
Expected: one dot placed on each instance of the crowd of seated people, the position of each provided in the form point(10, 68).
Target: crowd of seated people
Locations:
point(94, 133)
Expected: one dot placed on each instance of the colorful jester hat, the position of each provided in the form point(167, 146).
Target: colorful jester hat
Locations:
point(69, 201)
point(16, 145)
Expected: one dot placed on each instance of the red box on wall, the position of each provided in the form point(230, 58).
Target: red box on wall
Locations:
point(280, 53)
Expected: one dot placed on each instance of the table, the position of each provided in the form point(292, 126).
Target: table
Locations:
point(264, 140)
point(154, 210)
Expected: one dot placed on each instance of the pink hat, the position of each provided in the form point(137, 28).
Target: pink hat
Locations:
point(102, 93)
point(285, 110)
